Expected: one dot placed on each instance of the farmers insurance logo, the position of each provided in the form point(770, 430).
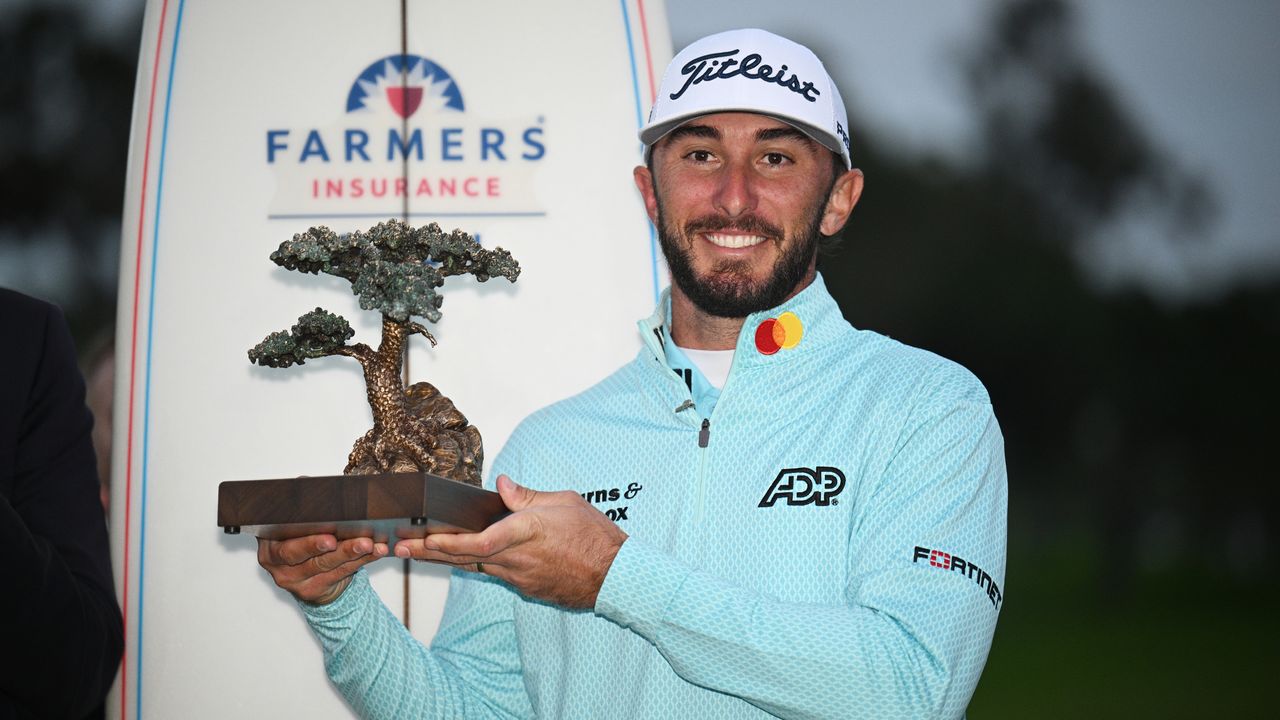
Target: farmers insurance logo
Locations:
point(460, 162)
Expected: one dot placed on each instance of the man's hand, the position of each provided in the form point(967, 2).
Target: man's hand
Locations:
point(317, 568)
point(554, 546)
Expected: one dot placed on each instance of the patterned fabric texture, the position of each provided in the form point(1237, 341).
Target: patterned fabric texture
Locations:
point(828, 543)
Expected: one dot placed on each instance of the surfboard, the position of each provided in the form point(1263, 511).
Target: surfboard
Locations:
point(255, 121)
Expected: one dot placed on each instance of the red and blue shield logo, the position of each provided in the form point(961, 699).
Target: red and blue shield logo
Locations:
point(407, 84)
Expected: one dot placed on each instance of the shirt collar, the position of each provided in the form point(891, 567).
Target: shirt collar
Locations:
point(777, 335)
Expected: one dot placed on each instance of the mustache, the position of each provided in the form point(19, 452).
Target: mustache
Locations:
point(749, 224)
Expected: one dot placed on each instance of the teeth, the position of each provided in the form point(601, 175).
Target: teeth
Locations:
point(735, 241)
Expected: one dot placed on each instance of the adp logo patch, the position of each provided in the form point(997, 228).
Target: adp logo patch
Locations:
point(803, 486)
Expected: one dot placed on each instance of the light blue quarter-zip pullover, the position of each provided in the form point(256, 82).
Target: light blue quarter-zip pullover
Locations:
point(827, 542)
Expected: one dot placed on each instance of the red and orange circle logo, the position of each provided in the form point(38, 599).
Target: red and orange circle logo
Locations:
point(780, 333)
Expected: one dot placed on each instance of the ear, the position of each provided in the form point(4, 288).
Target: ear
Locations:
point(844, 195)
point(644, 183)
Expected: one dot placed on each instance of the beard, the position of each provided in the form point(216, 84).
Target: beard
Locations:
point(728, 290)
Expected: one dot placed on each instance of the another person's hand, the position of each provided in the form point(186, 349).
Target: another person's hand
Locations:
point(554, 546)
point(317, 568)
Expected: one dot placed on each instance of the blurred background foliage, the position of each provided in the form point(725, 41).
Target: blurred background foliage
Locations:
point(1142, 523)
point(66, 91)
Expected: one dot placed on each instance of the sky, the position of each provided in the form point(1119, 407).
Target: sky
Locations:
point(1202, 77)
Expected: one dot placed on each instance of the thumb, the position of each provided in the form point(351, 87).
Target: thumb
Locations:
point(515, 497)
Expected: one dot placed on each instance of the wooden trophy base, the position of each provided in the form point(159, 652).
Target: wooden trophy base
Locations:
point(384, 507)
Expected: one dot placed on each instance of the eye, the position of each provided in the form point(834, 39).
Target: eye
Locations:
point(776, 158)
point(701, 156)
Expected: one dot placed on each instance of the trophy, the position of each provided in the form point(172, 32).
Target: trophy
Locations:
point(418, 469)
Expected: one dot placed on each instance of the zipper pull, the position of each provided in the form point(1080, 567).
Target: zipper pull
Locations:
point(704, 435)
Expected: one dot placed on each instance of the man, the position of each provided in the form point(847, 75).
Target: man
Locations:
point(807, 520)
point(61, 634)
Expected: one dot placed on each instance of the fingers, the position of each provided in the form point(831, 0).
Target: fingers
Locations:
point(509, 532)
point(325, 587)
point(461, 549)
point(495, 567)
point(417, 549)
point(516, 497)
point(466, 550)
point(294, 551)
point(449, 548)
point(317, 568)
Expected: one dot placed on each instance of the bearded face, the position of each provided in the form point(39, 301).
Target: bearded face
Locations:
point(734, 287)
point(741, 201)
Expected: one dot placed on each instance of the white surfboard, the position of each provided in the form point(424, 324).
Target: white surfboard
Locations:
point(254, 121)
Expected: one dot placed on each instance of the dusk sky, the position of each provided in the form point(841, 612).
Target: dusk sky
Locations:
point(1200, 77)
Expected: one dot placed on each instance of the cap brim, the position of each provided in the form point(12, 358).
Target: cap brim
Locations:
point(653, 133)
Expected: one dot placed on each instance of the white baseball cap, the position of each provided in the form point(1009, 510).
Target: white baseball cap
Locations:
point(753, 71)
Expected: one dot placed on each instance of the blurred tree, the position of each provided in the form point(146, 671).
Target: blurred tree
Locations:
point(1054, 127)
point(66, 90)
point(1128, 419)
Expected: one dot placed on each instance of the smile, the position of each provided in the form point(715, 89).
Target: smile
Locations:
point(734, 241)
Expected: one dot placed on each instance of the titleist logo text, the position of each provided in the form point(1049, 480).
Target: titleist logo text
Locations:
point(721, 65)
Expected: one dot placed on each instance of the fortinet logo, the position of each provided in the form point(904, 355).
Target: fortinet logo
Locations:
point(955, 563)
point(802, 486)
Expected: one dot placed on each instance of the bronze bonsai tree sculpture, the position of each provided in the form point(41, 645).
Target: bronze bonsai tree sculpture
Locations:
point(395, 269)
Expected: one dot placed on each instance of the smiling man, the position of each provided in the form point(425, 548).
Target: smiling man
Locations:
point(746, 199)
point(766, 513)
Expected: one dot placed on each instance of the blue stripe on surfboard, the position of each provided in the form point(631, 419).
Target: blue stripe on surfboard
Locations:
point(635, 93)
point(151, 315)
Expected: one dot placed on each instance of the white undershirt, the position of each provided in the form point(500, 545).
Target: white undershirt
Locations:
point(713, 364)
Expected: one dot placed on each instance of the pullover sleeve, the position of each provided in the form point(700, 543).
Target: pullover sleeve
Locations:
point(60, 626)
point(384, 672)
point(912, 635)
point(471, 670)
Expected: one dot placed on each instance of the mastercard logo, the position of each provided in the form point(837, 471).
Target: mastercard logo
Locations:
point(780, 333)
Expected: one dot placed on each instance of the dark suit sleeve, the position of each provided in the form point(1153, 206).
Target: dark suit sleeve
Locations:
point(60, 625)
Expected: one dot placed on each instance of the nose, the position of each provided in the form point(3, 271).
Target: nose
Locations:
point(735, 192)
